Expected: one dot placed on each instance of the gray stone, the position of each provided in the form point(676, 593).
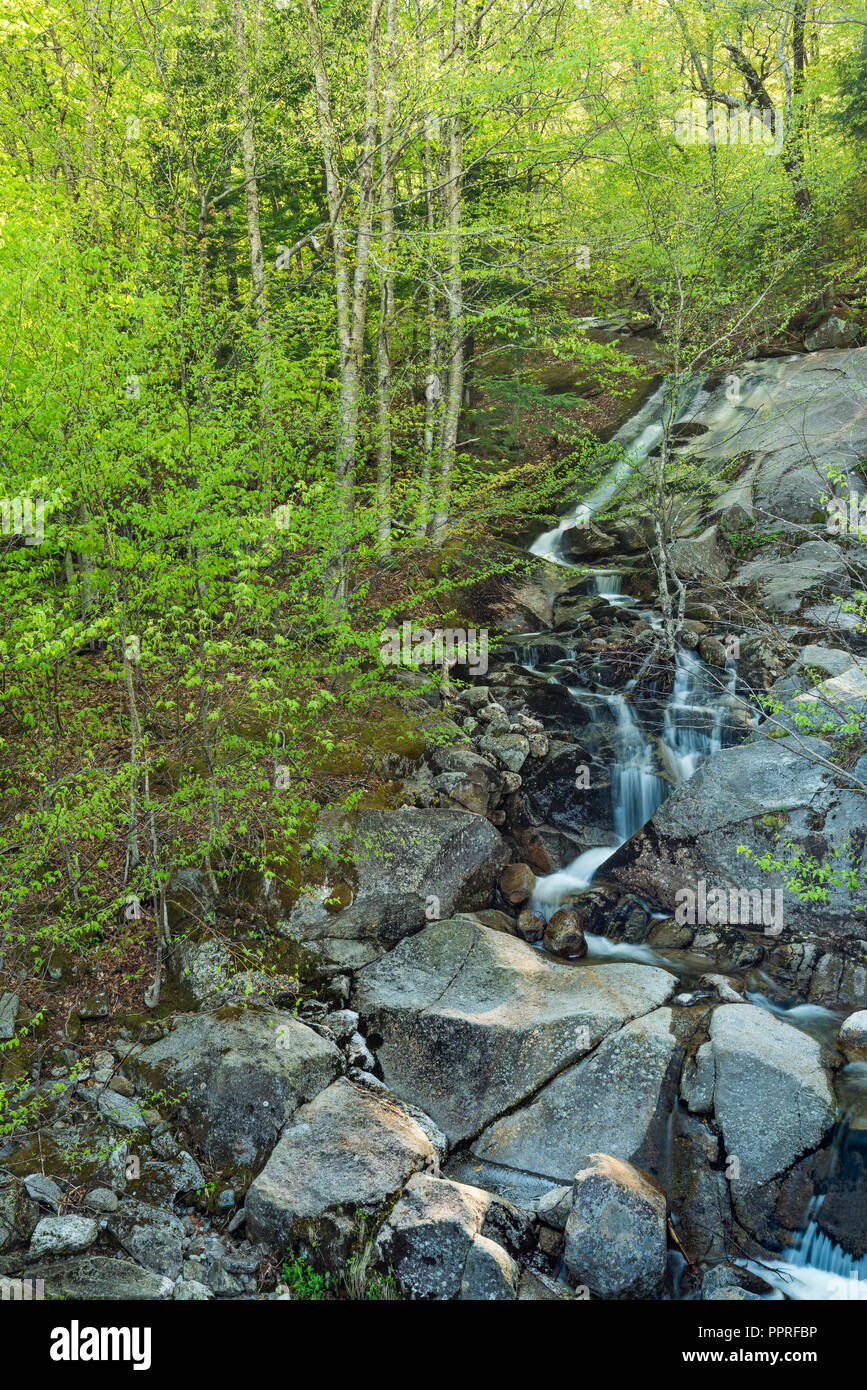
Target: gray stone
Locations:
point(222, 1283)
point(238, 1076)
point(616, 1234)
point(8, 1015)
point(203, 968)
point(191, 1291)
point(852, 1039)
point(152, 1237)
point(19, 1215)
point(101, 1199)
point(553, 1207)
point(772, 1098)
point(345, 1155)
point(43, 1189)
point(490, 1273)
point(100, 1278)
point(620, 1095)
point(696, 1083)
point(473, 1020)
point(398, 861)
point(63, 1235)
point(121, 1111)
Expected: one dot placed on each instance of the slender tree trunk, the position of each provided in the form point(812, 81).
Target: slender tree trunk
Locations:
point(454, 296)
point(386, 308)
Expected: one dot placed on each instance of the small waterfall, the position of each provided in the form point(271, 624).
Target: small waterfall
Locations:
point(695, 714)
point(636, 789)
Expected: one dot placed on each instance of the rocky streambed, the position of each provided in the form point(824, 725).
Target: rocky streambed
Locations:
point(533, 1071)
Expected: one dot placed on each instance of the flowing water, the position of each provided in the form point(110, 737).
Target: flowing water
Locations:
point(647, 760)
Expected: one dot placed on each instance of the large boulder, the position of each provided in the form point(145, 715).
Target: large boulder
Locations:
point(472, 1021)
point(237, 1077)
point(783, 580)
point(616, 1234)
point(100, 1278)
point(342, 1160)
point(397, 871)
point(429, 1235)
point(620, 1096)
point(773, 1100)
point(792, 417)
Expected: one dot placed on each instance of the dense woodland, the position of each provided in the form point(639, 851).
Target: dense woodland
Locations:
point(291, 336)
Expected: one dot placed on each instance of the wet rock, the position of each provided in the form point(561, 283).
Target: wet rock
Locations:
point(616, 1235)
point(852, 1038)
point(347, 1154)
point(517, 882)
point(564, 934)
point(472, 1020)
point(696, 1083)
point(530, 926)
point(238, 1077)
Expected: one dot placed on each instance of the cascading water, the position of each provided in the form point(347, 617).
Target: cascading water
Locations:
point(645, 763)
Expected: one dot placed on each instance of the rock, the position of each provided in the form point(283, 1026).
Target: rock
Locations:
point(490, 1274)
point(745, 796)
point(564, 934)
point(191, 1291)
point(121, 1111)
point(702, 557)
point(400, 862)
point(345, 1155)
point(620, 1095)
point(723, 988)
point(63, 1235)
point(725, 1275)
point(832, 332)
point(100, 1278)
point(152, 1237)
point(852, 1038)
point(467, 778)
point(238, 1076)
point(19, 1215)
point(696, 1083)
point(96, 1007)
point(497, 921)
point(473, 1020)
point(553, 1207)
point(784, 580)
point(711, 650)
point(222, 1283)
point(792, 419)
point(616, 1235)
point(203, 968)
point(427, 1237)
point(517, 882)
point(43, 1189)
point(343, 1023)
point(536, 1287)
point(764, 1067)
point(359, 1054)
point(511, 749)
point(121, 1087)
point(530, 926)
point(102, 1199)
point(8, 1015)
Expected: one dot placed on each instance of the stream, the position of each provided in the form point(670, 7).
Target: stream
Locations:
point(653, 745)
